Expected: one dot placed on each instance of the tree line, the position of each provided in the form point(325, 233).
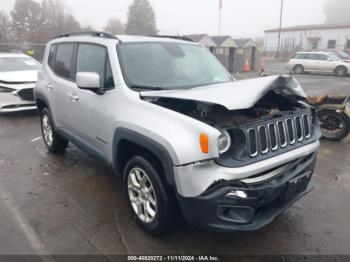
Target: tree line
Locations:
point(31, 22)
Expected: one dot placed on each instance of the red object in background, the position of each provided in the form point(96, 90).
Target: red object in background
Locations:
point(246, 67)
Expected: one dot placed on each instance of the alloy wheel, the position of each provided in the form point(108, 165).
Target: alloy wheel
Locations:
point(47, 130)
point(298, 70)
point(142, 196)
point(341, 71)
point(332, 125)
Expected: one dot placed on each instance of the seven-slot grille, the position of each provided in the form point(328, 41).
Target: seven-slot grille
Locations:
point(279, 134)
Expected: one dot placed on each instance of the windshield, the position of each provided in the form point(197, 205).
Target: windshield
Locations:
point(9, 64)
point(343, 55)
point(166, 65)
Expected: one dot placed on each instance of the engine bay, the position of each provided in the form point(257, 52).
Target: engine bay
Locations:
point(272, 105)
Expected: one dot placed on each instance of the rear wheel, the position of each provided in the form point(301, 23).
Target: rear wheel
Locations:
point(298, 69)
point(53, 141)
point(150, 200)
point(341, 71)
point(334, 126)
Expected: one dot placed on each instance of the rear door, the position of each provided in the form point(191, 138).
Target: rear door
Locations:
point(60, 82)
point(310, 62)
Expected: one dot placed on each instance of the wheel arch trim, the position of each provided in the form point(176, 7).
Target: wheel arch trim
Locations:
point(42, 97)
point(125, 134)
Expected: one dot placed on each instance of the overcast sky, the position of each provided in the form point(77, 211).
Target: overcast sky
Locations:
point(240, 18)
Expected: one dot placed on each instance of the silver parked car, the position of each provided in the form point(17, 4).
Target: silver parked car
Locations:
point(18, 75)
point(328, 62)
point(186, 138)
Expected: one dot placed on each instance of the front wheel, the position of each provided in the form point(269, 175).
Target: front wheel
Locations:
point(53, 141)
point(150, 199)
point(341, 71)
point(298, 69)
point(334, 126)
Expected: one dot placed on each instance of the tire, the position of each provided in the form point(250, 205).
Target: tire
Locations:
point(341, 71)
point(53, 141)
point(152, 203)
point(298, 70)
point(330, 120)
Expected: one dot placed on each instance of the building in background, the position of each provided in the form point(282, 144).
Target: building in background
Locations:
point(203, 39)
point(246, 53)
point(308, 37)
point(225, 51)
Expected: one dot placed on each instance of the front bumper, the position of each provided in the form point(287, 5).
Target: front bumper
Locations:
point(192, 180)
point(261, 202)
point(10, 102)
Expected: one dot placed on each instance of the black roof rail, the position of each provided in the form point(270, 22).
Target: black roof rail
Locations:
point(177, 37)
point(90, 33)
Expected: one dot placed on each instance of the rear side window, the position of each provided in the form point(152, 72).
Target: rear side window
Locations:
point(322, 57)
point(64, 60)
point(94, 58)
point(310, 56)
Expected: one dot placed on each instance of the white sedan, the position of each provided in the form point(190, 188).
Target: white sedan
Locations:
point(18, 75)
point(325, 62)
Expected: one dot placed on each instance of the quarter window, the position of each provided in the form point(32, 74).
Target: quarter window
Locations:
point(64, 62)
point(331, 44)
point(94, 58)
point(51, 59)
point(109, 84)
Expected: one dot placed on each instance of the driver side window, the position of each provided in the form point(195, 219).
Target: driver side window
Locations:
point(94, 58)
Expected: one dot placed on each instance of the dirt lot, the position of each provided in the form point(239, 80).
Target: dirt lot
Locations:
point(72, 204)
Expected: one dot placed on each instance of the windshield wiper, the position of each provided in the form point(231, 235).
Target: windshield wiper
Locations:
point(146, 87)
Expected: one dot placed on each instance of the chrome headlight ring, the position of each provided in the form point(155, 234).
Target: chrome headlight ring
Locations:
point(224, 142)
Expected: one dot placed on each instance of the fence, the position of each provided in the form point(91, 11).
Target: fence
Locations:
point(287, 49)
point(32, 49)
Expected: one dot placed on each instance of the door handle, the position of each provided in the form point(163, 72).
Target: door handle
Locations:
point(49, 86)
point(74, 97)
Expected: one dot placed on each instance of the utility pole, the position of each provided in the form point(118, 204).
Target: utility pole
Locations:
point(219, 24)
point(280, 30)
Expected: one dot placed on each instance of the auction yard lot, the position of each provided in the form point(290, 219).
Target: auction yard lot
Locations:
point(72, 204)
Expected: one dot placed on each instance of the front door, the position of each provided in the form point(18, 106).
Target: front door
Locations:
point(310, 61)
point(324, 64)
point(91, 110)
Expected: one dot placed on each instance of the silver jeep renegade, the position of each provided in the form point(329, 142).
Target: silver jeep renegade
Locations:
point(187, 139)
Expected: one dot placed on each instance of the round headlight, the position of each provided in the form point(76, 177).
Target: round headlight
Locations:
point(224, 142)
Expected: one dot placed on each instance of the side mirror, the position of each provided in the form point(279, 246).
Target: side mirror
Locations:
point(88, 80)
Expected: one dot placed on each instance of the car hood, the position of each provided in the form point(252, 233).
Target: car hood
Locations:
point(236, 95)
point(14, 77)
